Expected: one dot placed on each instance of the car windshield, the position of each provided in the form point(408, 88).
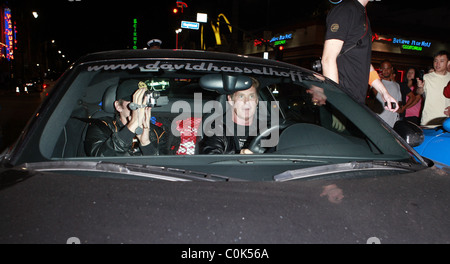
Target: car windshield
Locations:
point(315, 123)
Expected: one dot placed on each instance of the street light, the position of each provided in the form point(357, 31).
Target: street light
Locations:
point(35, 14)
point(178, 31)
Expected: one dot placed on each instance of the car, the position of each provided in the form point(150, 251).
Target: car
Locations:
point(324, 168)
point(436, 143)
point(34, 85)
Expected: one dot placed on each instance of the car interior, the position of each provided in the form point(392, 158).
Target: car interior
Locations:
point(189, 99)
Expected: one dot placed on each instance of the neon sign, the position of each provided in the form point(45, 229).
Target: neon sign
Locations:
point(135, 33)
point(412, 42)
point(9, 35)
point(277, 41)
point(281, 38)
point(406, 44)
point(411, 47)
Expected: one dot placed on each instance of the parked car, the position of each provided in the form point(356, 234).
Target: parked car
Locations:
point(436, 144)
point(34, 85)
point(326, 170)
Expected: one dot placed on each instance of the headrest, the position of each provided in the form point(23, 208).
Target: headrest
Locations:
point(108, 99)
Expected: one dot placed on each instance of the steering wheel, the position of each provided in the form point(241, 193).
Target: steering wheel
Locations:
point(255, 144)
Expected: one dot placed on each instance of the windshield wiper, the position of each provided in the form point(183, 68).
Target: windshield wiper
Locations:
point(154, 172)
point(346, 167)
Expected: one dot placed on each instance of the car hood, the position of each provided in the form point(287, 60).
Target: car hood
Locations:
point(54, 208)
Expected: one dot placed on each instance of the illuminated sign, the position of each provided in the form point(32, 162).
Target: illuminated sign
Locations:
point(416, 43)
point(216, 28)
point(135, 33)
point(277, 41)
point(406, 44)
point(190, 25)
point(281, 38)
point(411, 47)
point(9, 35)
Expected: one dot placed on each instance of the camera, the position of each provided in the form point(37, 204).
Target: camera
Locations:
point(420, 74)
point(152, 97)
point(317, 65)
point(393, 105)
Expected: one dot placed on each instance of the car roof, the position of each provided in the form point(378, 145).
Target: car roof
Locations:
point(177, 54)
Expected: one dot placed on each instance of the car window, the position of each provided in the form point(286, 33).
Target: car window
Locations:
point(331, 125)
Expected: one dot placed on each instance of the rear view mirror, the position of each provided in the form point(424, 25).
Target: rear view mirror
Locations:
point(410, 132)
point(225, 84)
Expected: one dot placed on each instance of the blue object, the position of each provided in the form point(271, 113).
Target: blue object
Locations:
point(446, 125)
point(436, 145)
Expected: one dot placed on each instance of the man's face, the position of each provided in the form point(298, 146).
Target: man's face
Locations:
point(244, 105)
point(440, 64)
point(386, 70)
point(122, 106)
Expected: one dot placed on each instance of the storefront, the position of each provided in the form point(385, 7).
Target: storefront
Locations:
point(304, 44)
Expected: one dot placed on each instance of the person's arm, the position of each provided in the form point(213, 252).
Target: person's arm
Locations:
point(447, 111)
point(144, 138)
point(331, 50)
point(138, 115)
point(101, 141)
point(447, 94)
point(420, 87)
point(447, 90)
point(381, 89)
point(212, 145)
point(413, 100)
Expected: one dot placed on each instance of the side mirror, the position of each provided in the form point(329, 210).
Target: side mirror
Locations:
point(410, 132)
point(446, 125)
point(224, 83)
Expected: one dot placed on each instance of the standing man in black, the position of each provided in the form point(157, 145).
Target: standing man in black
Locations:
point(347, 52)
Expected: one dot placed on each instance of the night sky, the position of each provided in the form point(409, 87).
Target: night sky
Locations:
point(85, 26)
point(80, 27)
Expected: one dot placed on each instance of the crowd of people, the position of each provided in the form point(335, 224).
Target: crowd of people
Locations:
point(346, 59)
point(424, 99)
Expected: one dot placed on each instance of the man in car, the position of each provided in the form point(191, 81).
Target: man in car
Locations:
point(235, 139)
point(129, 132)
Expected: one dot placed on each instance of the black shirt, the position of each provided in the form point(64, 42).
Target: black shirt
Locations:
point(243, 136)
point(348, 21)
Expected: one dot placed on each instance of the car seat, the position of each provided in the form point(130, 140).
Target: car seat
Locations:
point(71, 140)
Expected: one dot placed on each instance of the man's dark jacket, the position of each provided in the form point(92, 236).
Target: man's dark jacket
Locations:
point(107, 136)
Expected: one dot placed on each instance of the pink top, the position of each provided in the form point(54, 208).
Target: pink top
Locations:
point(415, 109)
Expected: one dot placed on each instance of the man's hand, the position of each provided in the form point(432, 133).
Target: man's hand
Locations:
point(390, 103)
point(246, 151)
point(379, 86)
point(144, 138)
point(420, 84)
point(318, 96)
point(138, 115)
